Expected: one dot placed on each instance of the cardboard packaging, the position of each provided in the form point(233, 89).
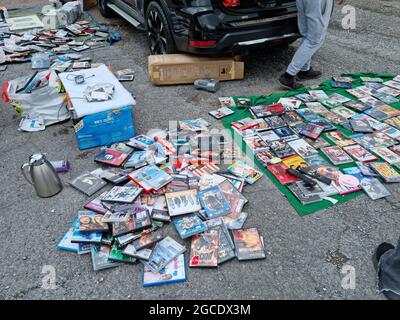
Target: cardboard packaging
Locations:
point(89, 4)
point(104, 128)
point(183, 69)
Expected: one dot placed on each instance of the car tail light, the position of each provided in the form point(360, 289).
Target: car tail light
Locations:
point(231, 3)
point(202, 43)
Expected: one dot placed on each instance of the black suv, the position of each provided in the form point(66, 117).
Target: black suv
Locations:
point(208, 26)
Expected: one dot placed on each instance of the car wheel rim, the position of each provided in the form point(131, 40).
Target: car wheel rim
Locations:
point(156, 33)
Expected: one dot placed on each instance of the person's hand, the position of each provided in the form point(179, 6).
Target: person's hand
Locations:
point(342, 2)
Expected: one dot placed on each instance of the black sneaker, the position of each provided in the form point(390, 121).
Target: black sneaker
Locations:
point(291, 84)
point(310, 74)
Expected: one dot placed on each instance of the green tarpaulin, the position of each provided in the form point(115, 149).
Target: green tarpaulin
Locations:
point(274, 97)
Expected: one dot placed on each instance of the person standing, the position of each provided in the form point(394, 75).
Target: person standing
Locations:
point(313, 22)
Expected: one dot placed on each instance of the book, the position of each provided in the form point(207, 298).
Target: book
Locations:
point(171, 273)
point(359, 153)
point(164, 252)
point(148, 238)
point(374, 188)
point(336, 155)
point(91, 222)
point(100, 254)
point(214, 202)
point(204, 249)
point(150, 177)
point(385, 171)
point(281, 174)
point(142, 142)
point(111, 157)
point(122, 194)
point(302, 148)
point(189, 225)
point(221, 113)
point(386, 154)
point(88, 183)
point(182, 202)
point(226, 247)
point(311, 130)
point(248, 244)
point(96, 204)
point(241, 169)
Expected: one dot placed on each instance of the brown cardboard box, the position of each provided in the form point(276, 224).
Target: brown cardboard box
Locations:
point(184, 68)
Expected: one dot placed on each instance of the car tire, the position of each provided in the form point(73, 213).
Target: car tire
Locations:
point(159, 33)
point(105, 11)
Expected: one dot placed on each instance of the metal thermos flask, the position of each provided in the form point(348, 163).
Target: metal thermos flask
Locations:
point(44, 178)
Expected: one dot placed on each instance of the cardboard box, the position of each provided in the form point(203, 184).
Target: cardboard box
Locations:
point(104, 128)
point(183, 68)
point(89, 4)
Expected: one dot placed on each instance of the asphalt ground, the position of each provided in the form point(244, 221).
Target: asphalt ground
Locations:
point(305, 255)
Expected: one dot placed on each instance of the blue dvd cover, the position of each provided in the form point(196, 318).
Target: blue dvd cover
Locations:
point(189, 225)
point(214, 202)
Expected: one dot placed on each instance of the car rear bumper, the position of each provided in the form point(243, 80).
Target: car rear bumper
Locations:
point(241, 38)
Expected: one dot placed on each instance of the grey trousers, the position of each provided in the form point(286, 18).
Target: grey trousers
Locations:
point(313, 21)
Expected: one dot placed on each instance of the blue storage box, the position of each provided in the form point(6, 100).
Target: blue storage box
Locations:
point(104, 128)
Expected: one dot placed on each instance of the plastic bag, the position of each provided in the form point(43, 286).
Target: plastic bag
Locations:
point(46, 102)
